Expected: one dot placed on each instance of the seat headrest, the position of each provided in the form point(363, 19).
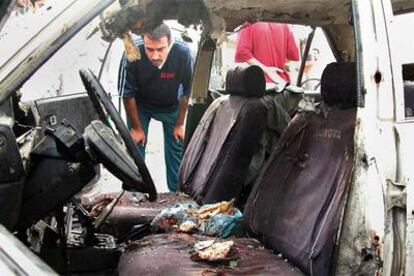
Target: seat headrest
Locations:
point(338, 84)
point(248, 81)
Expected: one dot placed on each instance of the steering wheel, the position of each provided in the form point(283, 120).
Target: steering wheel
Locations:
point(104, 107)
point(315, 87)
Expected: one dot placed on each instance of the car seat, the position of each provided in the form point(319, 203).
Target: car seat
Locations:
point(216, 161)
point(297, 202)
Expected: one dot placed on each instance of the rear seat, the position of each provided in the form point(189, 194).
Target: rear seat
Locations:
point(296, 205)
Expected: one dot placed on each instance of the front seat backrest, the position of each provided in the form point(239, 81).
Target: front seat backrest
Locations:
point(216, 160)
point(296, 204)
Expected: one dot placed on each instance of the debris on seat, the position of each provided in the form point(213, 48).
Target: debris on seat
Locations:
point(219, 219)
point(210, 210)
point(170, 254)
point(171, 218)
point(187, 226)
point(216, 251)
point(200, 245)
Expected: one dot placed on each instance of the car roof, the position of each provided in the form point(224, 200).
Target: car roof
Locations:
point(317, 12)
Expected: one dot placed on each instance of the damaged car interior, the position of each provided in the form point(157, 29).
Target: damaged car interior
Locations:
point(314, 197)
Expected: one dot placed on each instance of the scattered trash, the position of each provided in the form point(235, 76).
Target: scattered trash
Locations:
point(187, 227)
point(203, 244)
point(218, 251)
point(210, 210)
point(219, 219)
point(170, 218)
point(221, 225)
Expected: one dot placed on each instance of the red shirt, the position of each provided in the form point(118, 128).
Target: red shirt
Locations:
point(270, 43)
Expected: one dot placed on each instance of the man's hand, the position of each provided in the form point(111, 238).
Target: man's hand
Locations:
point(136, 132)
point(272, 73)
point(138, 136)
point(274, 69)
point(178, 133)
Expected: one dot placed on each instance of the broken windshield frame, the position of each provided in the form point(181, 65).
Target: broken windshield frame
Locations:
point(45, 44)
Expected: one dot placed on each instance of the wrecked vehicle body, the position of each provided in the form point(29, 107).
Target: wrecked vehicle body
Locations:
point(377, 193)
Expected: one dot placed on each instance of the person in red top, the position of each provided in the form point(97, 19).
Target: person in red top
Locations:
point(269, 45)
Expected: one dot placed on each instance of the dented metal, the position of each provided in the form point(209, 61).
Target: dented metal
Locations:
point(381, 195)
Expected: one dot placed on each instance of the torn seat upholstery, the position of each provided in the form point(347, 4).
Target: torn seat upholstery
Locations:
point(217, 158)
point(296, 205)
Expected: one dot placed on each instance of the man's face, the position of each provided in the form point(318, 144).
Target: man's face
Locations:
point(156, 49)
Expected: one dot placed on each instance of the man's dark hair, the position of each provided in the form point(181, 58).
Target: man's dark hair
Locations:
point(159, 32)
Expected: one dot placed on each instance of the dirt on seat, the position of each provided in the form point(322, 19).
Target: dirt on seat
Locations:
point(297, 203)
point(170, 254)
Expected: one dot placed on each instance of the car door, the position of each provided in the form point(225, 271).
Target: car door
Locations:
point(401, 46)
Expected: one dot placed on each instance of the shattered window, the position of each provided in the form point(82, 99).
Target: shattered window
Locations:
point(60, 74)
point(27, 18)
point(320, 54)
